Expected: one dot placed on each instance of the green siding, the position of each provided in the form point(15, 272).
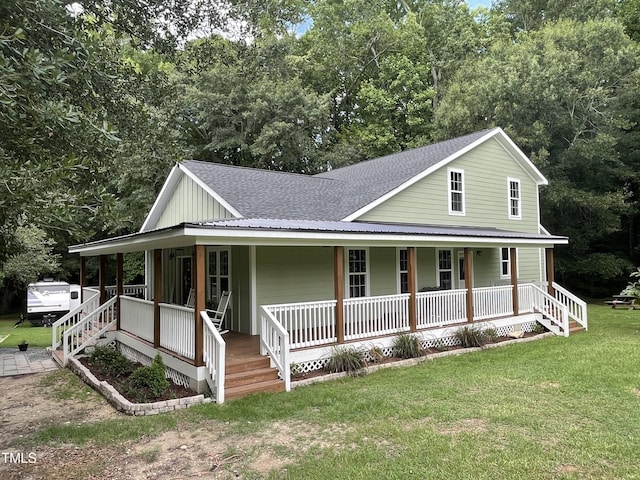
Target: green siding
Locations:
point(487, 267)
point(486, 169)
point(293, 274)
point(190, 202)
point(383, 271)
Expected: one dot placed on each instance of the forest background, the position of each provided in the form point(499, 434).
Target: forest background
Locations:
point(100, 98)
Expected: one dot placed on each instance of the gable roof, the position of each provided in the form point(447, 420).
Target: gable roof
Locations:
point(340, 194)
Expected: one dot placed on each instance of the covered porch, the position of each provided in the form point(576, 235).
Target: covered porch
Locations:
point(301, 331)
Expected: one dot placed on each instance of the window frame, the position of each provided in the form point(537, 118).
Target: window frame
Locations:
point(511, 199)
point(507, 262)
point(348, 274)
point(451, 269)
point(450, 191)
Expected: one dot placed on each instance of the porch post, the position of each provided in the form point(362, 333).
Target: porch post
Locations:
point(83, 277)
point(513, 266)
point(411, 280)
point(199, 303)
point(102, 275)
point(157, 294)
point(119, 285)
point(550, 271)
point(338, 285)
point(468, 282)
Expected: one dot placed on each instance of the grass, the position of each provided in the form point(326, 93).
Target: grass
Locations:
point(557, 408)
point(36, 337)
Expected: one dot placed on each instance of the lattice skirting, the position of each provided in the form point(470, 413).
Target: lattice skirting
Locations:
point(428, 341)
point(135, 356)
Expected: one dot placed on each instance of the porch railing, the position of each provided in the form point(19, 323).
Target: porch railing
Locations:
point(492, 302)
point(213, 354)
point(137, 291)
point(91, 302)
point(136, 317)
point(439, 308)
point(87, 330)
point(309, 323)
point(274, 341)
point(552, 309)
point(177, 329)
point(577, 307)
point(371, 316)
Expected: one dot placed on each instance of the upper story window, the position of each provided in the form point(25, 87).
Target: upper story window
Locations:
point(456, 191)
point(515, 207)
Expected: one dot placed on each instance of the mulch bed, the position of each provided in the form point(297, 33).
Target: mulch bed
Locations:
point(119, 383)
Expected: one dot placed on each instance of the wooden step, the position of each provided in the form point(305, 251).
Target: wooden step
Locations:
point(248, 377)
point(244, 390)
point(575, 327)
point(242, 365)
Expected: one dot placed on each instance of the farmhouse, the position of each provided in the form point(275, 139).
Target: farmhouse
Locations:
point(421, 241)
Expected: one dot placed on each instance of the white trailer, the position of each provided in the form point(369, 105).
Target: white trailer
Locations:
point(49, 300)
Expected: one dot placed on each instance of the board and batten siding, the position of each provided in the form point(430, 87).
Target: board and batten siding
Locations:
point(486, 169)
point(189, 203)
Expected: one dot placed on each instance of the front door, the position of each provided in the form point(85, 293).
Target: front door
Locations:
point(461, 270)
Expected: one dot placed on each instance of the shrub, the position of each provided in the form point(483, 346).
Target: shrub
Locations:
point(491, 334)
point(407, 346)
point(346, 359)
point(148, 383)
point(110, 362)
point(538, 328)
point(472, 336)
point(376, 354)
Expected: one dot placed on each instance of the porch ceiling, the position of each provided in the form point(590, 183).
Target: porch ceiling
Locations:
point(248, 231)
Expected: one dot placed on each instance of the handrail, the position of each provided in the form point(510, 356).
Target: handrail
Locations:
point(89, 328)
point(577, 307)
point(274, 341)
point(214, 354)
point(550, 307)
point(72, 318)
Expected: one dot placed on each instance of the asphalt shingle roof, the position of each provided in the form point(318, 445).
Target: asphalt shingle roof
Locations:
point(328, 196)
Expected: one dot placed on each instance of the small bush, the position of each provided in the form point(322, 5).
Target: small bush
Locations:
point(491, 334)
point(346, 359)
point(111, 362)
point(407, 346)
point(148, 383)
point(472, 336)
point(376, 354)
point(538, 328)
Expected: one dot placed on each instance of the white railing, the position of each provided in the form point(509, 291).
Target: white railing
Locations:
point(91, 327)
point(441, 307)
point(213, 354)
point(525, 298)
point(178, 329)
point(136, 317)
point(91, 302)
point(491, 302)
point(308, 323)
point(137, 291)
point(274, 341)
point(577, 307)
point(553, 310)
point(371, 316)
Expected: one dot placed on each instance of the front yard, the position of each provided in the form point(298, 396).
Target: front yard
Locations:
point(554, 408)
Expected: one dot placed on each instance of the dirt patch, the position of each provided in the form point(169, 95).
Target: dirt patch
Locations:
point(474, 425)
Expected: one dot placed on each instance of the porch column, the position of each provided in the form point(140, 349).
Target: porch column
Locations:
point(102, 276)
point(199, 303)
point(83, 277)
point(550, 271)
point(513, 266)
point(338, 285)
point(468, 282)
point(411, 280)
point(157, 294)
point(119, 285)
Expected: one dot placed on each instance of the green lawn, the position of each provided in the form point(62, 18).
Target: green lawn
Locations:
point(555, 408)
point(39, 337)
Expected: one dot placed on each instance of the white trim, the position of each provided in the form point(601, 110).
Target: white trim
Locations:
point(459, 257)
point(162, 199)
point(253, 289)
point(367, 276)
point(509, 198)
point(398, 272)
point(453, 274)
point(450, 191)
point(497, 133)
point(211, 192)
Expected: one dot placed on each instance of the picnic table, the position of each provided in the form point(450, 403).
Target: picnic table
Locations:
point(623, 301)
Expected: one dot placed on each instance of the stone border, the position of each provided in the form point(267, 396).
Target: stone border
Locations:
point(125, 406)
point(415, 361)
